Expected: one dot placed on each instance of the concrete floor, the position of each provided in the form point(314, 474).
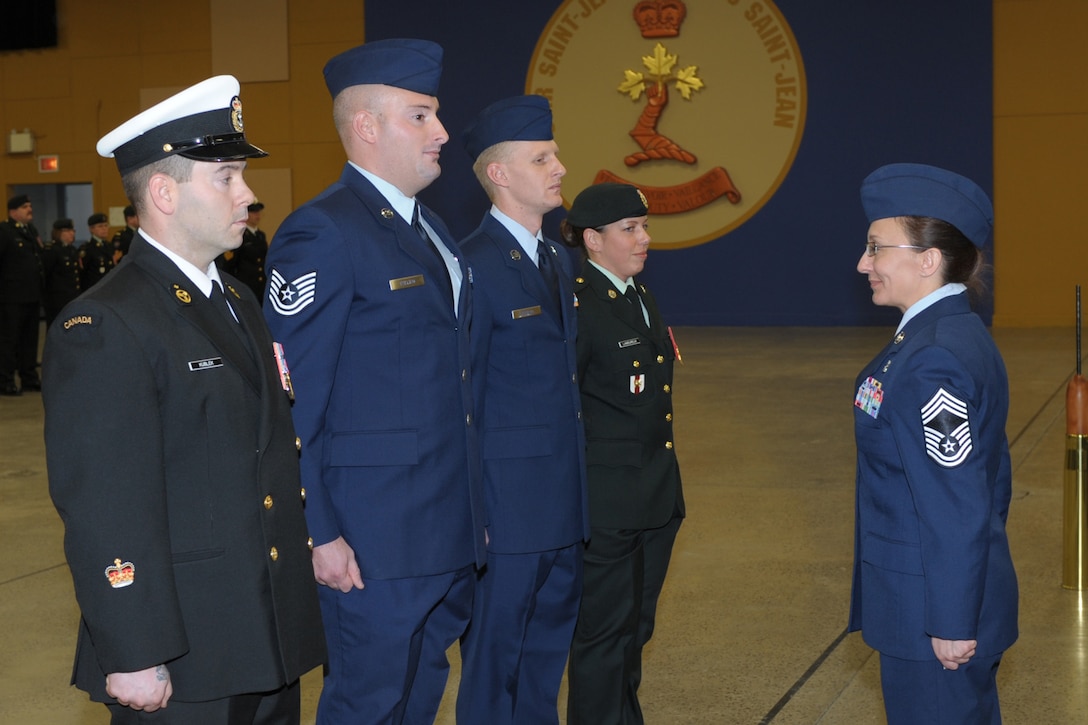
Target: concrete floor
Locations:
point(751, 622)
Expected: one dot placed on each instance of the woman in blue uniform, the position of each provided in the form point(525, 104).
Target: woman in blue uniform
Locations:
point(625, 361)
point(934, 588)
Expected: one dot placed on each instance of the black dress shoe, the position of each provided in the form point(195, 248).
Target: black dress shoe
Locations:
point(11, 390)
point(33, 387)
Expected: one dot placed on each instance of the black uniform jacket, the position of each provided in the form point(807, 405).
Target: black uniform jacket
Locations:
point(247, 262)
point(60, 267)
point(196, 495)
point(625, 371)
point(20, 264)
point(96, 258)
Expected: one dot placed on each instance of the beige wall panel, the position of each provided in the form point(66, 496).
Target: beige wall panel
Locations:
point(326, 21)
point(108, 191)
point(1040, 233)
point(310, 104)
point(50, 120)
point(173, 69)
point(266, 107)
point(315, 166)
point(75, 168)
point(90, 28)
point(35, 74)
point(102, 97)
point(105, 77)
point(164, 27)
point(249, 39)
point(1040, 60)
point(272, 186)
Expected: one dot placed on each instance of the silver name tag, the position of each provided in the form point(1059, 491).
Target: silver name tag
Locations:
point(206, 364)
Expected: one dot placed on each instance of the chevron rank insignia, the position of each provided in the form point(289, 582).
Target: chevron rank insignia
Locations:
point(947, 429)
point(291, 297)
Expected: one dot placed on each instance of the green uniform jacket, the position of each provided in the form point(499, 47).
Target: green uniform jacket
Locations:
point(625, 373)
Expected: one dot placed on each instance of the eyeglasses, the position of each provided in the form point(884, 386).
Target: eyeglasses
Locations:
point(871, 248)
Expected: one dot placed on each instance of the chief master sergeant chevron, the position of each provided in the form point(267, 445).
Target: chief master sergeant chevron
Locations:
point(190, 558)
point(374, 309)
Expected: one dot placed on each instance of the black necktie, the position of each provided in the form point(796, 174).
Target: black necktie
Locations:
point(417, 224)
point(547, 268)
point(636, 305)
point(219, 301)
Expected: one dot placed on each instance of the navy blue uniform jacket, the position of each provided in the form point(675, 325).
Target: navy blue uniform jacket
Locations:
point(527, 390)
point(383, 387)
point(934, 483)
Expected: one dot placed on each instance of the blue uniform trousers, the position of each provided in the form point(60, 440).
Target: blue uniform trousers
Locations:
point(387, 647)
point(924, 692)
point(515, 650)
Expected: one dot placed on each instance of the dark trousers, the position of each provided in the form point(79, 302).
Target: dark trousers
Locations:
point(19, 325)
point(925, 692)
point(280, 707)
point(515, 649)
point(623, 576)
point(387, 647)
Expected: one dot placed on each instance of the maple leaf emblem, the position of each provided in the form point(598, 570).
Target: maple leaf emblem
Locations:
point(660, 68)
point(687, 81)
point(660, 63)
point(633, 84)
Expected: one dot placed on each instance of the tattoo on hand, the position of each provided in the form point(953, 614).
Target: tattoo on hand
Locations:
point(161, 674)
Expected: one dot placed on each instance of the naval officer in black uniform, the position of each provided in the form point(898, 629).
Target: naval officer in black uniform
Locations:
point(625, 362)
point(96, 255)
point(189, 550)
point(20, 297)
point(60, 268)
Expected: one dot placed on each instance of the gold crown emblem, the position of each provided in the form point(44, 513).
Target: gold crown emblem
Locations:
point(120, 575)
point(660, 18)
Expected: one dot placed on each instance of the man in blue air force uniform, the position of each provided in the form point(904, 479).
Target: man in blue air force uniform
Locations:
point(372, 303)
point(533, 442)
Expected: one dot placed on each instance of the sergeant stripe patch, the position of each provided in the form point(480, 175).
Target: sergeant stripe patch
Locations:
point(947, 429)
point(290, 298)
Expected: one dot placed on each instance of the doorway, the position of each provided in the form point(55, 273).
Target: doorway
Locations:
point(56, 201)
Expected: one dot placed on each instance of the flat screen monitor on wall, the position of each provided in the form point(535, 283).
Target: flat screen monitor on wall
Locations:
point(29, 24)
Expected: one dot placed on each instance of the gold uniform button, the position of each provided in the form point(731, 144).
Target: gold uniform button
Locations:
point(667, 388)
point(668, 445)
point(668, 417)
point(660, 359)
point(310, 543)
point(302, 493)
point(636, 363)
point(298, 443)
point(268, 501)
point(274, 553)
